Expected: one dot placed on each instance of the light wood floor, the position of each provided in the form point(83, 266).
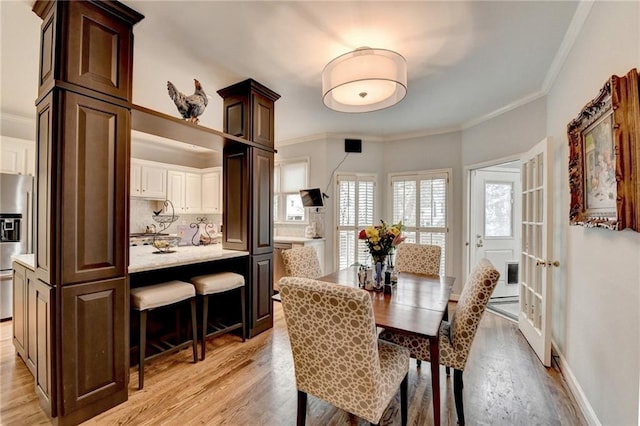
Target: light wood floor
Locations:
point(253, 383)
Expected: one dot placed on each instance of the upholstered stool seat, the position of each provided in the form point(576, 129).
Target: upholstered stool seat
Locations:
point(144, 299)
point(212, 284)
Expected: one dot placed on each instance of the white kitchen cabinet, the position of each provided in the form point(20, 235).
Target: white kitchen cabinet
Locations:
point(212, 191)
point(148, 180)
point(17, 156)
point(184, 190)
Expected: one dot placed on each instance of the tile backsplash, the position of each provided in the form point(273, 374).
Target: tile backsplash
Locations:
point(141, 216)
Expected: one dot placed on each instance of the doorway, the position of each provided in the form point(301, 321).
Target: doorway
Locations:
point(495, 229)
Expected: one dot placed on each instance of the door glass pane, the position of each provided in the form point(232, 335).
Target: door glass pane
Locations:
point(294, 209)
point(498, 209)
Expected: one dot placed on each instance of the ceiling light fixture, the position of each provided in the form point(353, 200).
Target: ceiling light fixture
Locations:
point(364, 80)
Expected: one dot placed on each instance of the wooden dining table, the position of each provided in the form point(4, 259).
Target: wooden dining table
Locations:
point(417, 305)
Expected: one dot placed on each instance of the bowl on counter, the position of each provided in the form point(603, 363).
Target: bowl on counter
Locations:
point(165, 243)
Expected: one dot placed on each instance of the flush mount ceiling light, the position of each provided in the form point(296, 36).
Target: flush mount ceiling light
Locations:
point(364, 80)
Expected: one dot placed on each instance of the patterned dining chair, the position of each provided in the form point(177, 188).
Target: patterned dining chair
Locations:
point(456, 335)
point(418, 258)
point(337, 356)
point(301, 262)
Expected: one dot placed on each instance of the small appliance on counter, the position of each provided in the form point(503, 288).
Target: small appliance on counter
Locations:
point(16, 207)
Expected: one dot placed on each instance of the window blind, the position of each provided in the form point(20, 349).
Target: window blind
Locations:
point(421, 202)
point(289, 177)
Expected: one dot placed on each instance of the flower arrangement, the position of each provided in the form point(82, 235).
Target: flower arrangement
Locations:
point(382, 239)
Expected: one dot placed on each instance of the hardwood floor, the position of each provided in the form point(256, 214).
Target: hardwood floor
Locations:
point(253, 383)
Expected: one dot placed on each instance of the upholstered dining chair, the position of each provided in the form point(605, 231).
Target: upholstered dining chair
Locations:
point(337, 356)
point(418, 258)
point(301, 262)
point(456, 335)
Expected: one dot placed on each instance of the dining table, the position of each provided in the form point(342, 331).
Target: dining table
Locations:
point(417, 304)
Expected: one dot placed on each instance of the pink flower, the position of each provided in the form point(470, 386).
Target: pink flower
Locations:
point(397, 240)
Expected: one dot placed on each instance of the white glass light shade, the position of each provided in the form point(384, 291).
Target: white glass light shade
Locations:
point(364, 80)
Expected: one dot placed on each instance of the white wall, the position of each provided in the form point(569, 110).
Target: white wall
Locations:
point(596, 290)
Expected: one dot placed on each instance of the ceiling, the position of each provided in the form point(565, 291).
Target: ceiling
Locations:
point(466, 59)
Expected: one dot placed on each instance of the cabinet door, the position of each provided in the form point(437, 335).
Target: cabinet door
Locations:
point(17, 156)
point(261, 303)
point(212, 192)
point(262, 129)
point(154, 182)
point(20, 310)
point(136, 179)
point(175, 190)
point(262, 202)
point(41, 324)
point(193, 192)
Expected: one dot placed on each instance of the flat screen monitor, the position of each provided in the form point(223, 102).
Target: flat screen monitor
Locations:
point(311, 197)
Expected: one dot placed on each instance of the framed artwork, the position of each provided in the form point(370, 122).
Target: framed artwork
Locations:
point(604, 158)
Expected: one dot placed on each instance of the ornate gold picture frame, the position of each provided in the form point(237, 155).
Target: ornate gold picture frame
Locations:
point(604, 158)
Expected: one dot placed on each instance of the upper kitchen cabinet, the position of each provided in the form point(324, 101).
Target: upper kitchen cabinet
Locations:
point(148, 180)
point(248, 111)
point(99, 47)
point(17, 156)
point(212, 191)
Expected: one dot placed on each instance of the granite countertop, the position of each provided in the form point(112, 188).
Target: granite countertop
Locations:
point(27, 260)
point(143, 258)
point(295, 239)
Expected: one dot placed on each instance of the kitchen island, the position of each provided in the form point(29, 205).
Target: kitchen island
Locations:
point(145, 258)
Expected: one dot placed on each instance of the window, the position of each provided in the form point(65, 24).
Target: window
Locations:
point(355, 207)
point(420, 201)
point(289, 177)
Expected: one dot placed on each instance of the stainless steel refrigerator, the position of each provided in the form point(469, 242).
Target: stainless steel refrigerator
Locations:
point(16, 231)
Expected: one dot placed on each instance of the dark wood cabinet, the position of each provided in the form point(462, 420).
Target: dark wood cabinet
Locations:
point(94, 189)
point(261, 291)
point(40, 332)
point(77, 303)
point(235, 198)
point(262, 203)
point(248, 111)
point(19, 321)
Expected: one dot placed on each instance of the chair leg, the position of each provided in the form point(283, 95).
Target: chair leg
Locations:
point(142, 349)
point(457, 394)
point(404, 388)
point(418, 363)
point(448, 371)
point(302, 408)
point(242, 309)
point(205, 314)
point(194, 329)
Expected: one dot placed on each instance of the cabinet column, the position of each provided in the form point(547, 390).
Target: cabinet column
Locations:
point(82, 205)
point(248, 191)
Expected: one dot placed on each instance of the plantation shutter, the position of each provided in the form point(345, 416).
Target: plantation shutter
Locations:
point(355, 211)
point(421, 202)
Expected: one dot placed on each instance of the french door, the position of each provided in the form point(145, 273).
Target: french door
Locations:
point(535, 265)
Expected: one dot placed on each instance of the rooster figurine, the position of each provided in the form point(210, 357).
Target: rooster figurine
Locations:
point(190, 107)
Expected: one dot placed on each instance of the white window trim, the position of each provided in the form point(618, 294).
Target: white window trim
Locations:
point(280, 220)
point(373, 177)
point(448, 172)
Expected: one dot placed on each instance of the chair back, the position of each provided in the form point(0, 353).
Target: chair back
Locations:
point(334, 343)
point(418, 258)
point(301, 262)
point(471, 305)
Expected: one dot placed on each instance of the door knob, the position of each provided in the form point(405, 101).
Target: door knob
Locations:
point(545, 263)
point(479, 242)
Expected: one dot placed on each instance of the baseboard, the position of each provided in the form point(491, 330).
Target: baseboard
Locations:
point(576, 390)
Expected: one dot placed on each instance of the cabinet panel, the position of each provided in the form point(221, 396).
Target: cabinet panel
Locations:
point(212, 192)
point(19, 321)
point(261, 303)
point(153, 182)
point(263, 119)
point(94, 193)
point(46, 155)
point(175, 190)
point(41, 326)
point(193, 192)
point(17, 156)
point(135, 179)
point(236, 201)
point(94, 327)
point(236, 119)
point(262, 205)
point(99, 51)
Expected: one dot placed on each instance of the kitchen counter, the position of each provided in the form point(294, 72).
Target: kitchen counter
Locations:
point(143, 258)
point(26, 260)
point(295, 239)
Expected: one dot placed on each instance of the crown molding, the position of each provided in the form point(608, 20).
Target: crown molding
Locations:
point(422, 133)
point(318, 137)
point(575, 27)
point(509, 107)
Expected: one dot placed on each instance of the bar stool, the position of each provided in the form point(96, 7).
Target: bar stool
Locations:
point(144, 299)
point(212, 284)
